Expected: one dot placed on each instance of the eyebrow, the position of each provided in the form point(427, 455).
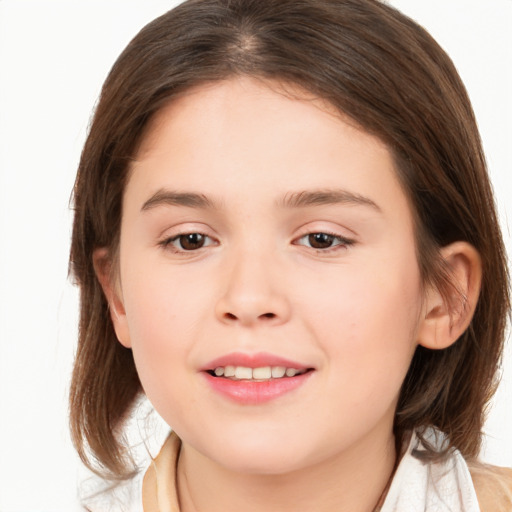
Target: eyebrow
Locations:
point(306, 198)
point(170, 198)
point(300, 199)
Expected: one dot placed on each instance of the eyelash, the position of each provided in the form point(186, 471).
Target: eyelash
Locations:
point(342, 242)
point(168, 242)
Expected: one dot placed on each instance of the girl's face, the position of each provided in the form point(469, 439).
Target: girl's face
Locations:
point(262, 234)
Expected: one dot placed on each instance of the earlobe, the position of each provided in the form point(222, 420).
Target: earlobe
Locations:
point(103, 269)
point(448, 313)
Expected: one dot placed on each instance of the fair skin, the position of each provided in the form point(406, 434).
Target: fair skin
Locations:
point(301, 246)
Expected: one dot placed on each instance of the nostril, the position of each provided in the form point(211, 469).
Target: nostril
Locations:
point(233, 318)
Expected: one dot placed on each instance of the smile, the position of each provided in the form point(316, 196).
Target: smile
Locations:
point(260, 374)
point(255, 379)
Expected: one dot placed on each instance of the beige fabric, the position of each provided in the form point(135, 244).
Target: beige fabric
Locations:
point(493, 485)
point(159, 485)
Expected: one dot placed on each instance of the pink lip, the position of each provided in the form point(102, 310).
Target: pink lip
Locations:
point(247, 392)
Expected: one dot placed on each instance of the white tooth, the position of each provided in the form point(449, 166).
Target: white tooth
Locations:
point(278, 371)
point(241, 372)
point(219, 371)
point(291, 372)
point(262, 373)
point(229, 371)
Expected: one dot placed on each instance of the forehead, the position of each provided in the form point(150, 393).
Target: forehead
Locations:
point(241, 96)
point(243, 136)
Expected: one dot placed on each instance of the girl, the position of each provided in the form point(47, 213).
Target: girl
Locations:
point(285, 238)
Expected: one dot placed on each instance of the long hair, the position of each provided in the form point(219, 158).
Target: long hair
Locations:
point(375, 66)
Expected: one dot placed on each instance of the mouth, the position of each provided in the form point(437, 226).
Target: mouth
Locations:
point(251, 379)
point(259, 374)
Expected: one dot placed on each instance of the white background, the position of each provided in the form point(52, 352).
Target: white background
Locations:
point(54, 56)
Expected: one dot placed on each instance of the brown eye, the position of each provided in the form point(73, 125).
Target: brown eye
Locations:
point(324, 242)
point(191, 241)
point(320, 240)
point(187, 242)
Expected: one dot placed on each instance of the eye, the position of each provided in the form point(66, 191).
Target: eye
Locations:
point(186, 242)
point(323, 241)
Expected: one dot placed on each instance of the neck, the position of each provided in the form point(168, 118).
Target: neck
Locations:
point(352, 481)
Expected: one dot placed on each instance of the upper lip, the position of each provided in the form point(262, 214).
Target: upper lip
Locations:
point(257, 360)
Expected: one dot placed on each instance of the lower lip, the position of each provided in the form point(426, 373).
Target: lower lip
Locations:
point(253, 392)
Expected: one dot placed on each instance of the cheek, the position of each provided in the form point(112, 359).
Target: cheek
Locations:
point(366, 324)
point(163, 304)
point(163, 320)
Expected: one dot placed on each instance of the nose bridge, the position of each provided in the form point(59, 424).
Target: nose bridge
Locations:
point(253, 291)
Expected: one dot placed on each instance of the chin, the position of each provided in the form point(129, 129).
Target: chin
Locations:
point(263, 455)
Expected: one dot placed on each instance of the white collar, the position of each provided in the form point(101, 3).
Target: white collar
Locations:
point(431, 486)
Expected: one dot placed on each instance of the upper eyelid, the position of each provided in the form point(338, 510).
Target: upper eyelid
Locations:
point(185, 228)
point(307, 232)
point(340, 232)
point(325, 232)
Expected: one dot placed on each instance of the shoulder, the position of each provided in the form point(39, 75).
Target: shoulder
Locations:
point(493, 486)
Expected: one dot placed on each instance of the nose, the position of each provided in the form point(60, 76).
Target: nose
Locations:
point(253, 294)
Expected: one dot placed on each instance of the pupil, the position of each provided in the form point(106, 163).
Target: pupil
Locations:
point(191, 241)
point(320, 240)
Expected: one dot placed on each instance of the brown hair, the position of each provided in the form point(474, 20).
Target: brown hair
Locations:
point(376, 66)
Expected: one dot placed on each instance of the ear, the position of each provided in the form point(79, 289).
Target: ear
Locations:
point(102, 262)
point(446, 316)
